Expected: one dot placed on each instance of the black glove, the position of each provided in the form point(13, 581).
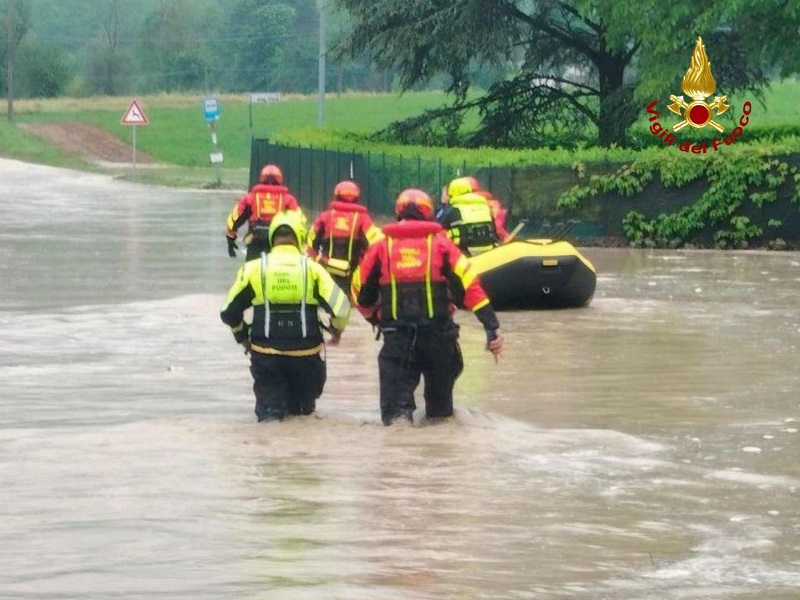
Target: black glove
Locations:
point(232, 247)
point(243, 338)
point(243, 335)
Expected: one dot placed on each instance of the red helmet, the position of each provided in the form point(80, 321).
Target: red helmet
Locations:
point(346, 191)
point(414, 203)
point(271, 174)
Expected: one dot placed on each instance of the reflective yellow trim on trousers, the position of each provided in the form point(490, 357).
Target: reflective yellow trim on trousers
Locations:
point(263, 350)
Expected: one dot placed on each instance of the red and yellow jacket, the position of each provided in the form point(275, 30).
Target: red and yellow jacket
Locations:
point(340, 237)
point(414, 275)
point(259, 206)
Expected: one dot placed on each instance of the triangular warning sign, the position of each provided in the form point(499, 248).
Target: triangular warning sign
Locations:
point(134, 115)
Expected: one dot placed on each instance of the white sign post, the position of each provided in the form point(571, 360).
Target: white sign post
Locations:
point(134, 116)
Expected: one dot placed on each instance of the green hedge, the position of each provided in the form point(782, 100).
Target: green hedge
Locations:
point(726, 199)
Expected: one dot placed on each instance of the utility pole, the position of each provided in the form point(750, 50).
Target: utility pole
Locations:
point(10, 59)
point(321, 71)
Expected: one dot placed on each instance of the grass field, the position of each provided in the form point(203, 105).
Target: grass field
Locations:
point(177, 133)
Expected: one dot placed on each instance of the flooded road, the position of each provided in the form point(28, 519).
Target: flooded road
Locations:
point(644, 447)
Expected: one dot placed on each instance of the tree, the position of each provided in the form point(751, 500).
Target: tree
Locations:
point(298, 66)
point(44, 72)
point(16, 26)
point(576, 66)
point(108, 65)
point(173, 51)
point(258, 32)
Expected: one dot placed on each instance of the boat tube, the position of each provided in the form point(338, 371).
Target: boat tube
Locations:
point(535, 274)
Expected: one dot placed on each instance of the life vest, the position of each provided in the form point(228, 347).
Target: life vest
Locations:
point(267, 201)
point(474, 231)
point(290, 309)
point(413, 285)
point(342, 232)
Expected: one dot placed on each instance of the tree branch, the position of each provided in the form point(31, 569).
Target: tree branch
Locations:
point(629, 54)
point(540, 24)
point(573, 99)
point(571, 10)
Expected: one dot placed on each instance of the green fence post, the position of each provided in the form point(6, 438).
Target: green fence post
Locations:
point(439, 178)
point(311, 171)
point(299, 172)
point(402, 173)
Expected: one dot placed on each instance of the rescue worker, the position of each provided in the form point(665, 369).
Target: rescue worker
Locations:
point(499, 214)
point(258, 207)
point(341, 235)
point(406, 284)
point(285, 289)
point(443, 206)
point(468, 218)
point(498, 211)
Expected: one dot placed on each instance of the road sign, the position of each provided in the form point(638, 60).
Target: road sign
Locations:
point(265, 97)
point(134, 115)
point(211, 109)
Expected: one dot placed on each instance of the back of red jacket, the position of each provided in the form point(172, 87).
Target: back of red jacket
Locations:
point(260, 205)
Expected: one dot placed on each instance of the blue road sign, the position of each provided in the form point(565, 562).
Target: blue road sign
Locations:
point(211, 109)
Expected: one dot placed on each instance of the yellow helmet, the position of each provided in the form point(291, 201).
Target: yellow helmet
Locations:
point(459, 186)
point(294, 220)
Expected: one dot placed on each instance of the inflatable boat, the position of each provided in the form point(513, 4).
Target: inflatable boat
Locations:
point(536, 273)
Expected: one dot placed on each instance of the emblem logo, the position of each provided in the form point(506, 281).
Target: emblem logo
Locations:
point(698, 83)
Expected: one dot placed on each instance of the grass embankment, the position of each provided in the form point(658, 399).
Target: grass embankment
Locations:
point(178, 135)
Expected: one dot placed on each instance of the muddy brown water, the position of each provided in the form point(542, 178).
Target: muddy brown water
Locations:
point(644, 447)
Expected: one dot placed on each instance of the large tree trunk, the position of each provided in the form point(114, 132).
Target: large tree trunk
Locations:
point(613, 101)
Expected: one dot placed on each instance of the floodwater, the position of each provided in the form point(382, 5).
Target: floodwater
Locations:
point(644, 447)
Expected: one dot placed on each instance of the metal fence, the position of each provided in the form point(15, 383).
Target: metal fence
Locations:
point(311, 174)
point(530, 193)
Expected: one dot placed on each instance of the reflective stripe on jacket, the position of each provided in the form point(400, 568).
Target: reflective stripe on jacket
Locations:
point(411, 276)
point(259, 206)
point(285, 289)
point(473, 228)
point(341, 235)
